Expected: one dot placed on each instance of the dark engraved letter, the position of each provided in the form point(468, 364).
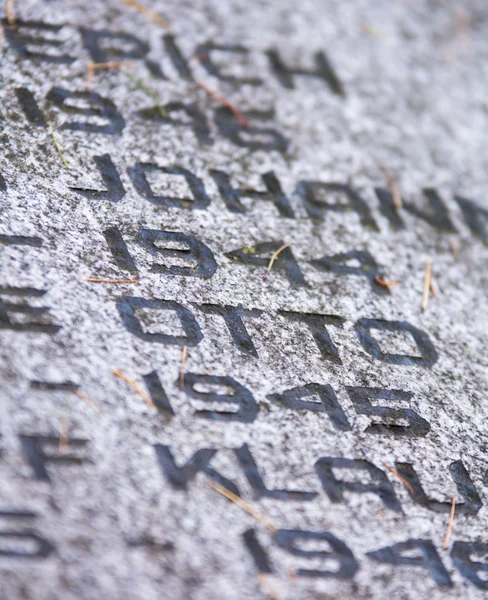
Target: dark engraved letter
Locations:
point(195, 120)
point(119, 249)
point(198, 463)
point(101, 51)
point(42, 547)
point(155, 69)
point(21, 42)
point(388, 208)
point(195, 251)
point(472, 501)
point(255, 479)
point(128, 306)
point(461, 556)
point(24, 309)
point(328, 402)
point(259, 555)
point(338, 263)
point(247, 409)
point(33, 447)
point(284, 262)
point(426, 348)
point(138, 176)
point(427, 558)
point(439, 217)
point(115, 188)
point(232, 196)
point(96, 106)
point(323, 70)
point(309, 192)
point(484, 479)
point(21, 240)
point(316, 325)
point(242, 135)
point(232, 316)
point(335, 488)
point(157, 393)
point(289, 539)
point(177, 57)
point(204, 52)
point(476, 217)
point(30, 107)
point(361, 398)
point(54, 386)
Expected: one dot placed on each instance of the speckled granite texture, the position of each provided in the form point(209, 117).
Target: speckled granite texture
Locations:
point(114, 525)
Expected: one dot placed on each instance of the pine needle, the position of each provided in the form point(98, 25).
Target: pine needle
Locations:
point(397, 200)
point(272, 259)
point(63, 431)
point(89, 401)
point(182, 366)
point(461, 25)
point(162, 111)
point(134, 386)
point(198, 59)
point(427, 283)
point(91, 67)
point(96, 280)
point(63, 436)
point(397, 474)
point(454, 249)
point(237, 113)
point(242, 504)
point(371, 30)
point(57, 146)
point(9, 10)
point(155, 18)
point(386, 283)
point(450, 524)
point(111, 65)
point(263, 580)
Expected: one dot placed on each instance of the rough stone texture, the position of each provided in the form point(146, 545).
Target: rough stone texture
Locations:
point(416, 102)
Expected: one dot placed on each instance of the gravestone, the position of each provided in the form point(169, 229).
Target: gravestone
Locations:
point(243, 254)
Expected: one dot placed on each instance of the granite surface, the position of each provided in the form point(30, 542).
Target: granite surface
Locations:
point(414, 78)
